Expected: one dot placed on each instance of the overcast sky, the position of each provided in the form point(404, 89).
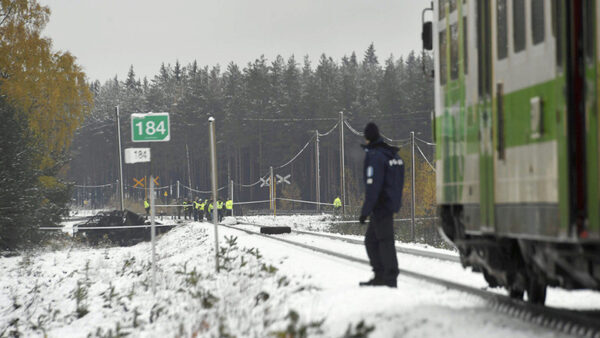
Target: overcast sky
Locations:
point(107, 36)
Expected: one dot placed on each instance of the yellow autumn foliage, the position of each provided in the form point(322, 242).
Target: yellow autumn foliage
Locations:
point(425, 203)
point(49, 87)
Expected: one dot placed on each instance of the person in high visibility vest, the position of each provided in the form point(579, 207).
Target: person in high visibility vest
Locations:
point(337, 206)
point(229, 207)
point(186, 210)
point(201, 210)
point(196, 207)
point(220, 209)
point(147, 207)
point(210, 212)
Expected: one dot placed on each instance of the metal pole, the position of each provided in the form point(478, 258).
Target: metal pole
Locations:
point(153, 234)
point(343, 174)
point(231, 196)
point(317, 172)
point(271, 184)
point(213, 164)
point(120, 156)
point(412, 205)
point(188, 165)
point(177, 191)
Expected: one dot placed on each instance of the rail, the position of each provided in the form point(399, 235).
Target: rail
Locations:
point(567, 321)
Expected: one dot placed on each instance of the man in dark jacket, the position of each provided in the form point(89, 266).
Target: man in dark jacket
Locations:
point(384, 180)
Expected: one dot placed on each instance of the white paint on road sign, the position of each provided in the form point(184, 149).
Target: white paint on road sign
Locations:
point(265, 182)
point(283, 179)
point(151, 127)
point(137, 155)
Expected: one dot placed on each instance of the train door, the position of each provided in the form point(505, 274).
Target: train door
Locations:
point(485, 80)
point(591, 12)
point(582, 126)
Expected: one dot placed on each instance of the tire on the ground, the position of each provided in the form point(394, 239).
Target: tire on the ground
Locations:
point(275, 230)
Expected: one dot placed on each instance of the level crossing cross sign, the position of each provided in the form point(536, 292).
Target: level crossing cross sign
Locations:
point(151, 127)
point(283, 179)
point(139, 182)
point(265, 182)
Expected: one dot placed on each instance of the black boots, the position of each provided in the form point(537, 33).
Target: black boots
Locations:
point(376, 281)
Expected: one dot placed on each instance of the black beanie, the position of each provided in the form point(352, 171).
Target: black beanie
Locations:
point(371, 132)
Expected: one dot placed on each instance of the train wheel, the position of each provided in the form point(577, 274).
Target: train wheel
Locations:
point(536, 291)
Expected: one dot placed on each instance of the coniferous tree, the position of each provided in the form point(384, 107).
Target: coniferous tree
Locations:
point(20, 199)
point(265, 112)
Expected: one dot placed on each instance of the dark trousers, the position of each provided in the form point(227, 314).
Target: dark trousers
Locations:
point(379, 241)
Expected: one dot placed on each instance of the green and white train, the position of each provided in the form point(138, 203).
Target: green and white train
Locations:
point(518, 144)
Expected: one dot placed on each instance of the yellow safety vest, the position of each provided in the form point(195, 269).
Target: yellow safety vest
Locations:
point(337, 202)
point(229, 205)
point(146, 204)
point(202, 206)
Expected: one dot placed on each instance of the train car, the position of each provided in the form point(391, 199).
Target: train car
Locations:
point(518, 147)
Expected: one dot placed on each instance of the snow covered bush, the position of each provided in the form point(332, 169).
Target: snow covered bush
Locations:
point(107, 291)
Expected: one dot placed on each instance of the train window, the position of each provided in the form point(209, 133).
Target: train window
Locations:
point(454, 51)
point(502, 22)
point(465, 46)
point(537, 21)
point(442, 9)
point(443, 59)
point(519, 25)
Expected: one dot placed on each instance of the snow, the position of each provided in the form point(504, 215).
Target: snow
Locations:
point(321, 223)
point(39, 290)
point(84, 212)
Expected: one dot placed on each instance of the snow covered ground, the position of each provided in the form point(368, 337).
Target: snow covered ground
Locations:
point(265, 287)
point(322, 223)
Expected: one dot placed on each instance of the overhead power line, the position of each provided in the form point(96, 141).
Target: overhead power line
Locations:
point(293, 120)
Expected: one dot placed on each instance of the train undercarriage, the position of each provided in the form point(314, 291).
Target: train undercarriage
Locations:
point(520, 265)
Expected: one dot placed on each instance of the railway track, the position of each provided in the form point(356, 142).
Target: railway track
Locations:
point(410, 251)
point(571, 322)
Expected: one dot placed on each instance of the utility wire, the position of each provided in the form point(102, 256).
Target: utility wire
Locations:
point(93, 186)
point(356, 132)
point(330, 131)
point(426, 160)
point(427, 143)
point(293, 120)
point(253, 184)
point(298, 154)
point(203, 191)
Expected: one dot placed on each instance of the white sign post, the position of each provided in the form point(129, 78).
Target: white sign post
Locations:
point(153, 235)
point(137, 155)
point(151, 127)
